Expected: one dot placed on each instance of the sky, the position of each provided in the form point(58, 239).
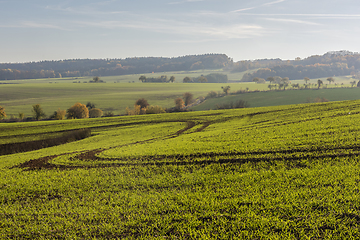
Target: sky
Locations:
point(36, 30)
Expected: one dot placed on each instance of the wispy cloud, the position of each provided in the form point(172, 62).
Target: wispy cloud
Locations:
point(262, 5)
point(186, 1)
point(271, 3)
point(235, 31)
point(31, 24)
point(292, 21)
point(88, 11)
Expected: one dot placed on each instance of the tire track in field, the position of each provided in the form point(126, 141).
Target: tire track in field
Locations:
point(44, 162)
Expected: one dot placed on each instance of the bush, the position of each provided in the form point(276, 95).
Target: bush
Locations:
point(109, 114)
point(155, 110)
point(59, 115)
point(77, 111)
point(179, 103)
point(95, 113)
point(230, 105)
point(2, 113)
point(142, 102)
point(211, 94)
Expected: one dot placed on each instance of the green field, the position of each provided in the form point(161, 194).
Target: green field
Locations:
point(120, 92)
point(284, 172)
point(275, 98)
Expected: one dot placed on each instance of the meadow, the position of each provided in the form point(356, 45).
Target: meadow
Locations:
point(120, 92)
point(283, 172)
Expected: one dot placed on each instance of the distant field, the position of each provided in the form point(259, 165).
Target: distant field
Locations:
point(107, 96)
point(120, 92)
point(274, 98)
point(284, 172)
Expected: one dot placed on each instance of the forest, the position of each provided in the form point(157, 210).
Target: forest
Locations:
point(110, 67)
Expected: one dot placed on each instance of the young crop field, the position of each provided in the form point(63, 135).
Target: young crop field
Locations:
point(284, 172)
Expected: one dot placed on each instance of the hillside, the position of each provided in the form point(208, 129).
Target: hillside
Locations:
point(275, 172)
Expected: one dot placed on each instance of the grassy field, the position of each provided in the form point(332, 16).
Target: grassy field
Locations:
point(275, 98)
point(120, 92)
point(284, 172)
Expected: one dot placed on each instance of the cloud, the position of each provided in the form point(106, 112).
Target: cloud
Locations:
point(235, 31)
point(262, 5)
point(30, 24)
point(292, 21)
point(186, 1)
point(84, 11)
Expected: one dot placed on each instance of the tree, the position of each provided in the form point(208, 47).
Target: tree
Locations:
point(78, 110)
point(188, 98)
point(226, 89)
point(172, 79)
point(142, 102)
point(353, 83)
point(271, 80)
point(95, 113)
point(2, 113)
point(142, 78)
point(319, 82)
point(202, 79)
point(59, 114)
point(38, 112)
point(179, 103)
point(96, 79)
point(306, 79)
point(330, 79)
point(358, 84)
point(90, 105)
point(186, 80)
point(285, 82)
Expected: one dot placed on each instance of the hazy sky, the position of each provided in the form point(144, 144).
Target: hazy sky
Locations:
point(33, 30)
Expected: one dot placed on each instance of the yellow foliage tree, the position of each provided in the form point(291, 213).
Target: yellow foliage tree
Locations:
point(2, 112)
point(78, 111)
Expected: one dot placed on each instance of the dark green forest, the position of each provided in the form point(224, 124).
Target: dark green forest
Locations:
point(318, 66)
point(110, 67)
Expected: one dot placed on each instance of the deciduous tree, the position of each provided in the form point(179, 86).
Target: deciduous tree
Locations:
point(188, 98)
point(38, 112)
point(186, 80)
point(2, 113)
point(78, 110)
point(142, 102)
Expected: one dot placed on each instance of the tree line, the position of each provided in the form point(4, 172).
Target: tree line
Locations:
point(110, 67)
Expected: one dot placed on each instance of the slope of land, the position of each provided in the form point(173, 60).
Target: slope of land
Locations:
point(276, 172)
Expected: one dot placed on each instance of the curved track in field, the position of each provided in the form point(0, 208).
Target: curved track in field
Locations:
point(44, 162)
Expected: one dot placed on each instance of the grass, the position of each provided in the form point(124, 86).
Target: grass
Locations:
point(260, 173)
point(275, 98)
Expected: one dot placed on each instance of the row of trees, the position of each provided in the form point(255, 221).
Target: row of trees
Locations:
point(110, 67)
point(77, 111)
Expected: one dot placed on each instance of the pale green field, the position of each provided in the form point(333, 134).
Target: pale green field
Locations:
point(119, 92)
point(107, 96)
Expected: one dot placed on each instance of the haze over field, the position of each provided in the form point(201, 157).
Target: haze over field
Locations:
point(49, 30)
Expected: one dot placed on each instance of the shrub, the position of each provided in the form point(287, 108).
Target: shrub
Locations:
point(38, 112)
point(59, 115)
point(155, 110)
point(21, 116)
point(2, 113)
point(78, 111)
point(230, 105)
point(109, 114)
point(179, 103)
point(142, 102)
point(211, 94)
point(95, 113)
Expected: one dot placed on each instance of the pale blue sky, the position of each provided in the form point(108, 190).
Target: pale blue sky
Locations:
point(33, 30)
